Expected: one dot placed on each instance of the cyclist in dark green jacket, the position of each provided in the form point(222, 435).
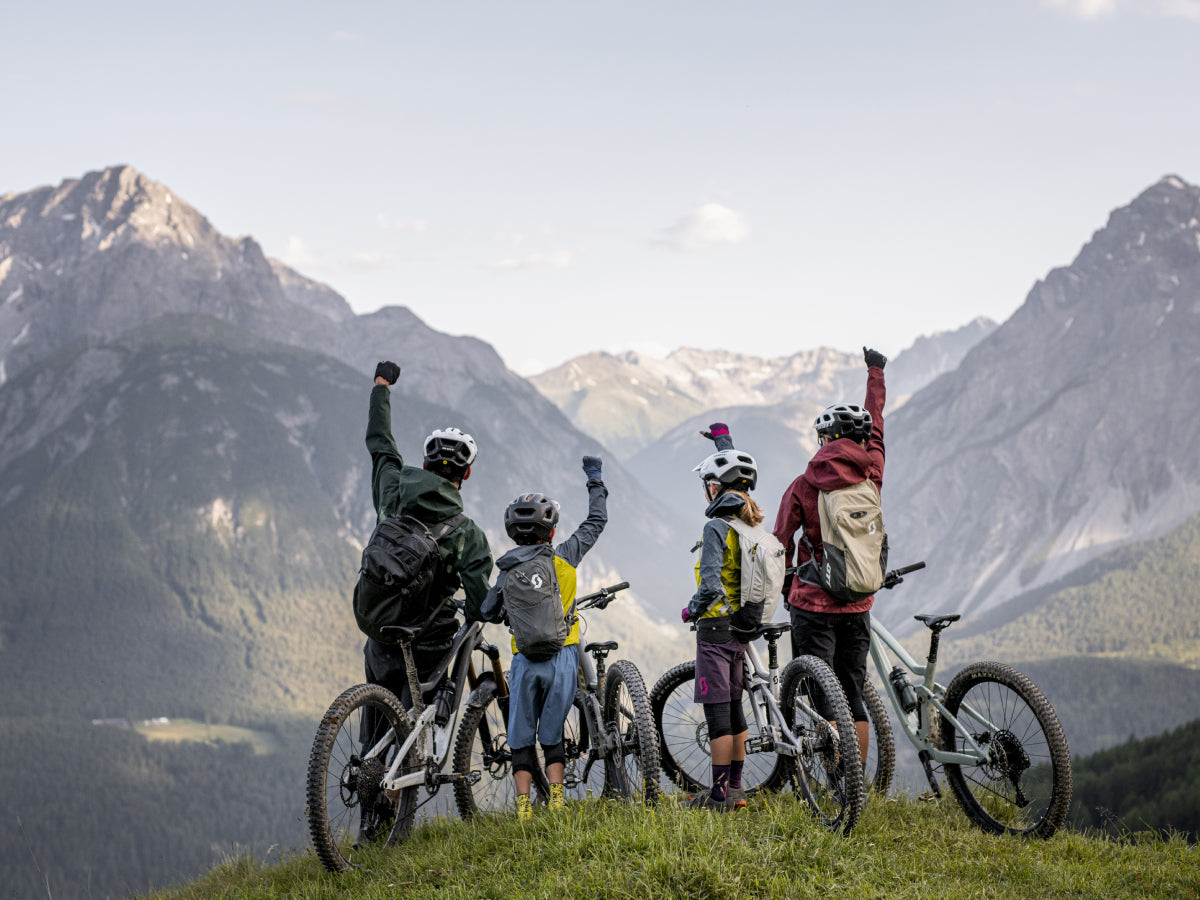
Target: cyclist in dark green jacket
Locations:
point(431, 494)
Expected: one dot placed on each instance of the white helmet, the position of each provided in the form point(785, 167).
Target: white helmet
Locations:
point(732, 468)
point(451, 445)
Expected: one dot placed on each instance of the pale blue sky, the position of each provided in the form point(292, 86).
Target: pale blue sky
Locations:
point(561, 177)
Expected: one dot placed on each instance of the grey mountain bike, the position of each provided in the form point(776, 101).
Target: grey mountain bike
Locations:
point(992, 731)
point(789, 740)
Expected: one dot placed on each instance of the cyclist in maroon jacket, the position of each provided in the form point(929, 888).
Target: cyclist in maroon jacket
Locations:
point(851, 451)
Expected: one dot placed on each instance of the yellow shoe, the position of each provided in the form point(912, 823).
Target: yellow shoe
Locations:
point(556, 797)
point(524, 809)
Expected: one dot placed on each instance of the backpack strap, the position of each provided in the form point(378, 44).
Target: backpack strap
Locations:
point(446, 526)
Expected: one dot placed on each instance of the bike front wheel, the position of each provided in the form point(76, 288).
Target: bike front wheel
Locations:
point(632, 770)
point(683, 736)
point(356, 743)
point(482, 746)
point(827, 772)
point(1025, 785)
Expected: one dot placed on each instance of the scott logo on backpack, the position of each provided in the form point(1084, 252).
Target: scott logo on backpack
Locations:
point(401, 569)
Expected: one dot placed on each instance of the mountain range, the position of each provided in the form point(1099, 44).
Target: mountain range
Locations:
point(629, 400)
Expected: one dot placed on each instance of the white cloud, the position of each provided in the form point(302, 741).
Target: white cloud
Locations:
point(559, 260)
point(1088, 10)
point(369, 259)
point(1092, 10)
point(298, 254)
point(416, 226)
point(324, 101)
point(511, 237)
point(711, 223)
point(349, 36)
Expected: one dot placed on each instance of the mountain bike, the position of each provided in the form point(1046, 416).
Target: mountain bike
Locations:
point(609, 724)
point(993, 732)
point(371, 755)
point(789, 739)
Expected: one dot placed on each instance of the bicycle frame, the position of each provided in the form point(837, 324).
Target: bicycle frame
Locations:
point(456, 666)
point(929, 699)
point(763, 686)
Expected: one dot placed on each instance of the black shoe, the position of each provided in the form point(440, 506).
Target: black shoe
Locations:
point(704, 800)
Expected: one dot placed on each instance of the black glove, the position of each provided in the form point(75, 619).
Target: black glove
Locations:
point(874, 358)
point(746, 621)
point(591, 467)
point(388, 371)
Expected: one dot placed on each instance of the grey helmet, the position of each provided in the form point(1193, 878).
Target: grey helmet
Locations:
point(845, 420)
point(732, 468)
point(451, 445)
point(531, 518)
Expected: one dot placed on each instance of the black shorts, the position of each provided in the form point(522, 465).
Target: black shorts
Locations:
point(720, 672)
point(841, 639)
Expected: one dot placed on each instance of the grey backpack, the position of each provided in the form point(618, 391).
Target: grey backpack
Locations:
point(533, 603)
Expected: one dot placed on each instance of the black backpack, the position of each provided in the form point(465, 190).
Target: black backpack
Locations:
point(401, 570)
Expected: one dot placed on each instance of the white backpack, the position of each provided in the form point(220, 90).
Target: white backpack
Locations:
point(763, 565)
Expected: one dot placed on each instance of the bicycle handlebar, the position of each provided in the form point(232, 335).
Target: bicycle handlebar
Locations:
point(894, 577)
point(601, 598)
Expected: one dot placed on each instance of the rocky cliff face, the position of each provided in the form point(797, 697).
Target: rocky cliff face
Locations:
point(1069, 430)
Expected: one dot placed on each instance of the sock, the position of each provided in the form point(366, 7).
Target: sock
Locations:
point(524, 810)
point(556, 797)
point(720, 787)
point(735, 773)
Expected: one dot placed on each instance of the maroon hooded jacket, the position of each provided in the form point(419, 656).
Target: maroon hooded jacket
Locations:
point(838, 464)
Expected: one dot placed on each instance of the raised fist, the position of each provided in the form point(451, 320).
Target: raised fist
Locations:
point(591, 467)
point(388, 371)
point(874, 358)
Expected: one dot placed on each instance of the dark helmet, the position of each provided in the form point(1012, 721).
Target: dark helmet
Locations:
point(531, 518)
point(732, 468)
point(844, 420)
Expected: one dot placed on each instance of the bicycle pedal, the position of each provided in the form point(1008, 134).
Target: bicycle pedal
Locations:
point(456, 778)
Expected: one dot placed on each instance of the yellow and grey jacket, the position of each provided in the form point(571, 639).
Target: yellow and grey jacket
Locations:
point(719, 569)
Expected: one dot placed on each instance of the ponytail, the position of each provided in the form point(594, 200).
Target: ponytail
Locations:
point(750, 513)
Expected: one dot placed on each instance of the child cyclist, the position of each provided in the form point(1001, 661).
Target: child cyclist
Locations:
point(850, 452)
point(723, 627)
point(542, 679)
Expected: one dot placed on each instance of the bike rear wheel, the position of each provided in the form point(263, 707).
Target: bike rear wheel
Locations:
point(880, 764)
point(482, 746)
point(346, 805)
point(633, 770)
point(683, 736)
point(577, 745)
point(827, 773)
point(1025, 786)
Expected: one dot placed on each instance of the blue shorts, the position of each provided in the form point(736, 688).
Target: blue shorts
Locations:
point(541, 694)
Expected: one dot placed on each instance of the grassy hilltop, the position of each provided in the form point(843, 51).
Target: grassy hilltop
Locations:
point(901, 849)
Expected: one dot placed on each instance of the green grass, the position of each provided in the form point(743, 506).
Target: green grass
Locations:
point(901, 849)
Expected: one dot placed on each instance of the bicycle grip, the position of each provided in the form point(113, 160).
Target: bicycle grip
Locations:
point(904, 570)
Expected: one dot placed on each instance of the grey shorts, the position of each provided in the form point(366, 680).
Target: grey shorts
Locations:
point(720, 671)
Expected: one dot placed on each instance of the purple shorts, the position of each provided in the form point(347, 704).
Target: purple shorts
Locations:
point(720, 671)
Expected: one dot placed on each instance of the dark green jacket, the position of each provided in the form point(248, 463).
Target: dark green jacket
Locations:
point(432, 499)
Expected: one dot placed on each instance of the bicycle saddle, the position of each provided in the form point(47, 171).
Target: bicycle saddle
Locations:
point(399, 634)
point(937, 623)
point(600, 645)
point(773, 631)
